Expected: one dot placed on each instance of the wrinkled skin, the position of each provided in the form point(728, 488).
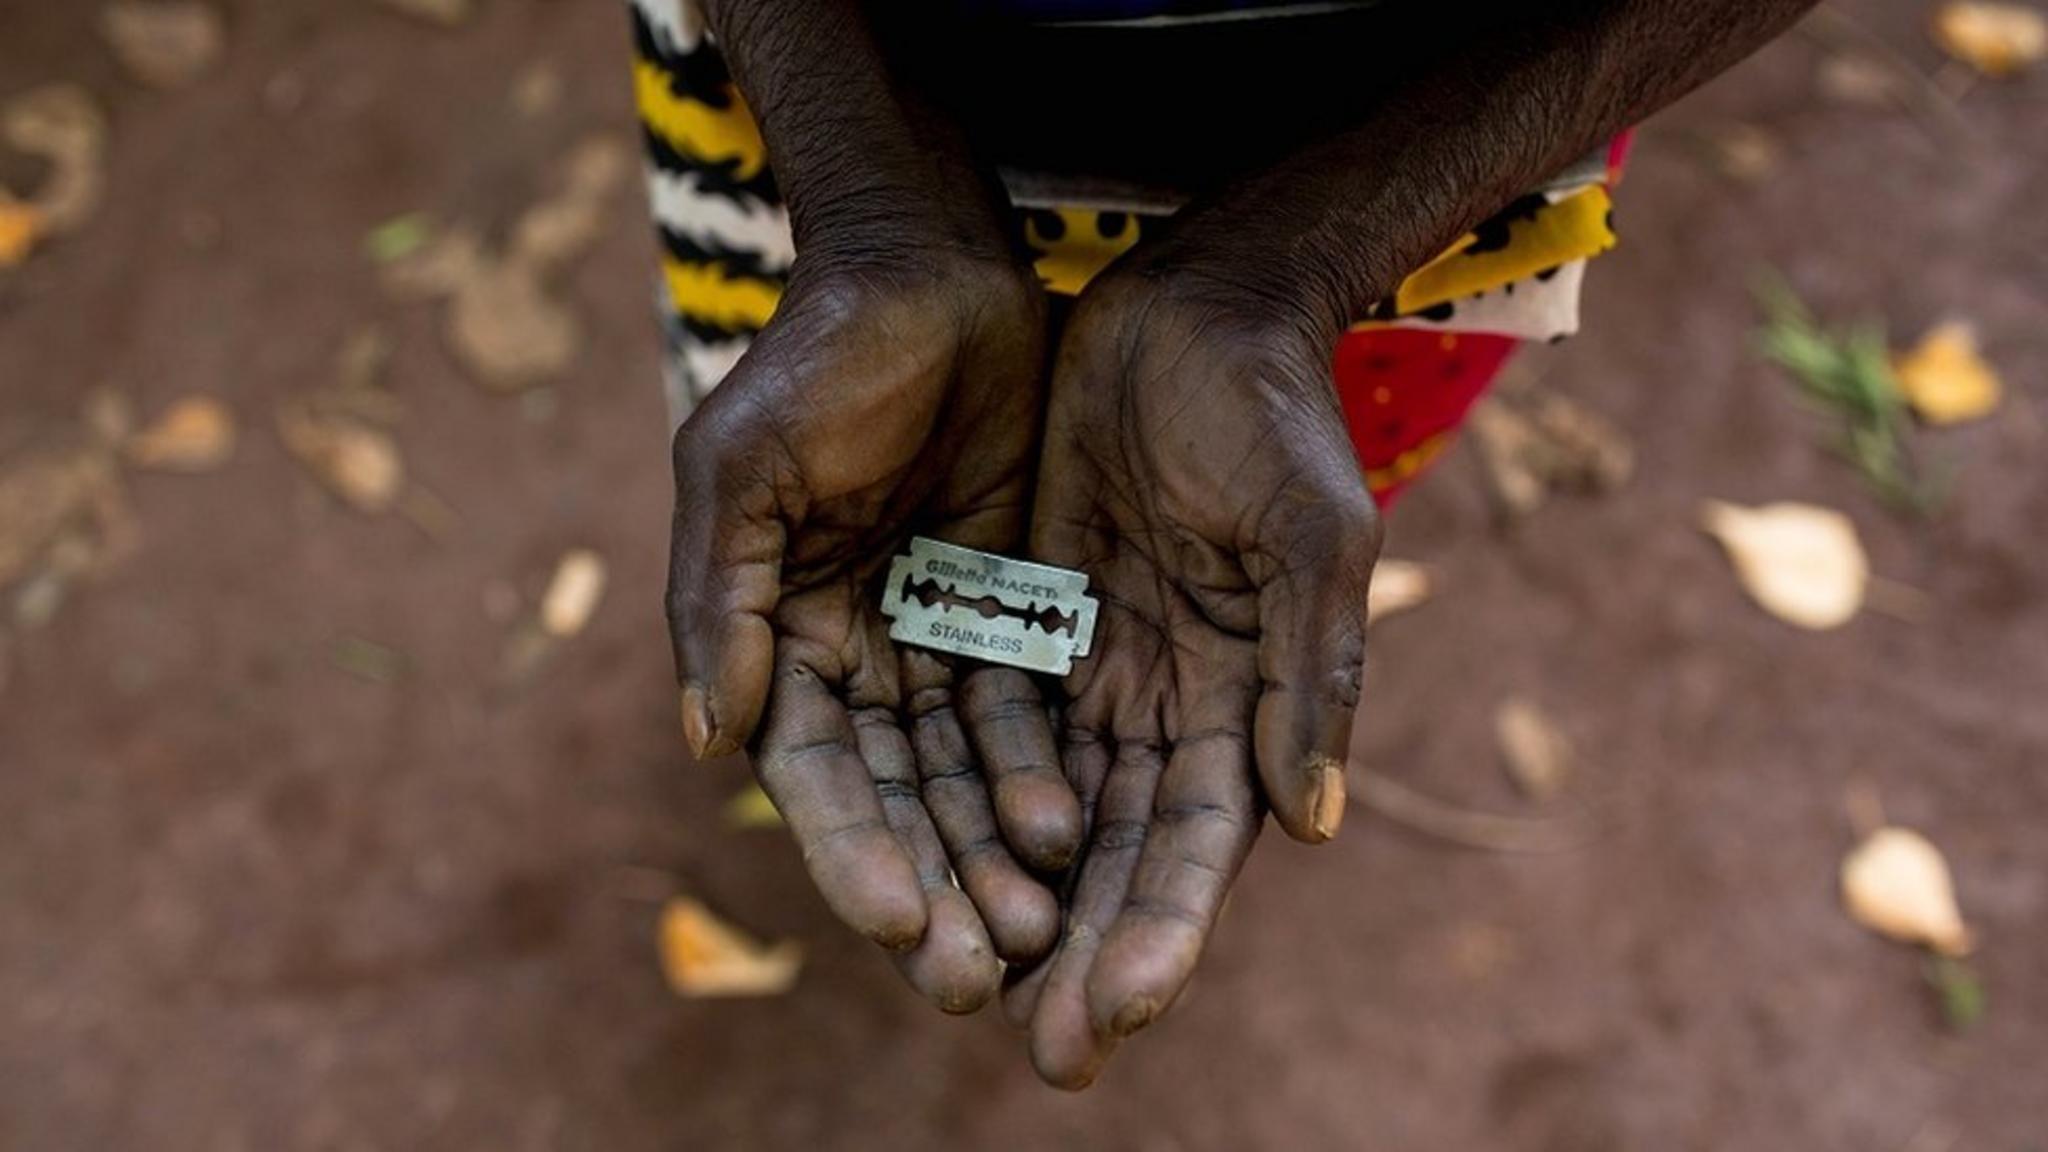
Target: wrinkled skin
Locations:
point(876, 405)
point(1196, 466)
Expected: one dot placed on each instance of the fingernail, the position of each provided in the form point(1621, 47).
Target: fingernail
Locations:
point(1329, 810)
point(697, 722)
point(1137, 1012)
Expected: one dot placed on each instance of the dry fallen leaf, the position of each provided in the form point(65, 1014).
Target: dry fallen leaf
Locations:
point(109, 416)
point(751, 808)
point(1858, 80)
point(357, 462)
point(1944, 378)
point(504, 326)
point(1507, 444)
point(60, 124)
point(1995, 39)
point(196, 434)
point(527, 650)
point(1802, 563)
point(1584, 452)
point(505, 329)
point(63, 517)
point(359, 388)
point(163, 43)
point(703, 956)
point(20, 226)
point(447, 13)
point(1895, 882)
point(573, 594)
point(1538, 756)
point(1544, 442)
point(537, 89)
point(1397, 586)
point(558, 229)
point(1747, 153)
point(49, 496)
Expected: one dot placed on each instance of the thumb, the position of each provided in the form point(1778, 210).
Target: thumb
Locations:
point(1312, 577)
point(725, 574)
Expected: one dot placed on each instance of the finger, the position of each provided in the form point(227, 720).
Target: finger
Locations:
point(1086, 761)
point(1312, 575)
point(1012, 731)
point(1022, 917)
point(954, 966)
point(1067, 1049)
point(725, 564)
point(810, 765)
point(1204, 820)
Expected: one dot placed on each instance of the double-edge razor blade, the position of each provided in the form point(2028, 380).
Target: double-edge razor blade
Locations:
point(989, 607)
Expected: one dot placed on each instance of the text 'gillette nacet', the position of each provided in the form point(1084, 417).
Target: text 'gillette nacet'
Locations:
point(989, 607)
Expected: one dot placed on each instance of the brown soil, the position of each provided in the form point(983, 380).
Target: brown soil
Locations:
point(251, 901)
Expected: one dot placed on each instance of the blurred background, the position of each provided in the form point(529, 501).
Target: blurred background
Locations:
point(342, 804)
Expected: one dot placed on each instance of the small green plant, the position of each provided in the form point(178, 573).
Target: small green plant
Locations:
point(1958, 990)
point(1847, 374)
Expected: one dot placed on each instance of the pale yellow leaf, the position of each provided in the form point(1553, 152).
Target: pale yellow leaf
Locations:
point(573, 593)
point(1803, 564)
point(1747, 153)
point(703, 956)
point(1897, 883)
point(196, 434)
point(1538, 756)
point(1995, 39)
point(506, 330)
point(1944, 378)
point(61, 124)
point(355, 461)
point(163, 43)
point(1397, 586)
point(1858, 80)
point(557, 230)
point(751, 808)
point(49, 495)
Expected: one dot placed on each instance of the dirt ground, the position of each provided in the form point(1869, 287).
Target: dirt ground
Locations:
point(252, 899)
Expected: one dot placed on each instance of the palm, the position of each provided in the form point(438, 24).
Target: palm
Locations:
point(1190, 469)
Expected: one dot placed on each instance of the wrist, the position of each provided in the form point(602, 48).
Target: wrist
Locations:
point(875, 219)
point(1249, 288)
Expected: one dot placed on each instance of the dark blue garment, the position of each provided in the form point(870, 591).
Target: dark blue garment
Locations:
point(1165, 11)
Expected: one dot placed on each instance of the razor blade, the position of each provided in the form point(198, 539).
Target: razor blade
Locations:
point(953, 599)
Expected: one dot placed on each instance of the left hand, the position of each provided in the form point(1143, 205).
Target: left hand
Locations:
point(1197, 467)
point(880, 402)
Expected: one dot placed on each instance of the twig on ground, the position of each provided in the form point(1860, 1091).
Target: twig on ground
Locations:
point(1932, 101)
point(1482, 830)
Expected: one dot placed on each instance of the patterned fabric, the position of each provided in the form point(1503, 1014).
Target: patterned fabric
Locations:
point(1406, 374)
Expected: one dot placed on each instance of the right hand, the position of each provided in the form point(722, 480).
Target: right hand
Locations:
point(890, 396)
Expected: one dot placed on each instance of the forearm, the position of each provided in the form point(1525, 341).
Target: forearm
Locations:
point(1326, 234)
point(861, 160)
